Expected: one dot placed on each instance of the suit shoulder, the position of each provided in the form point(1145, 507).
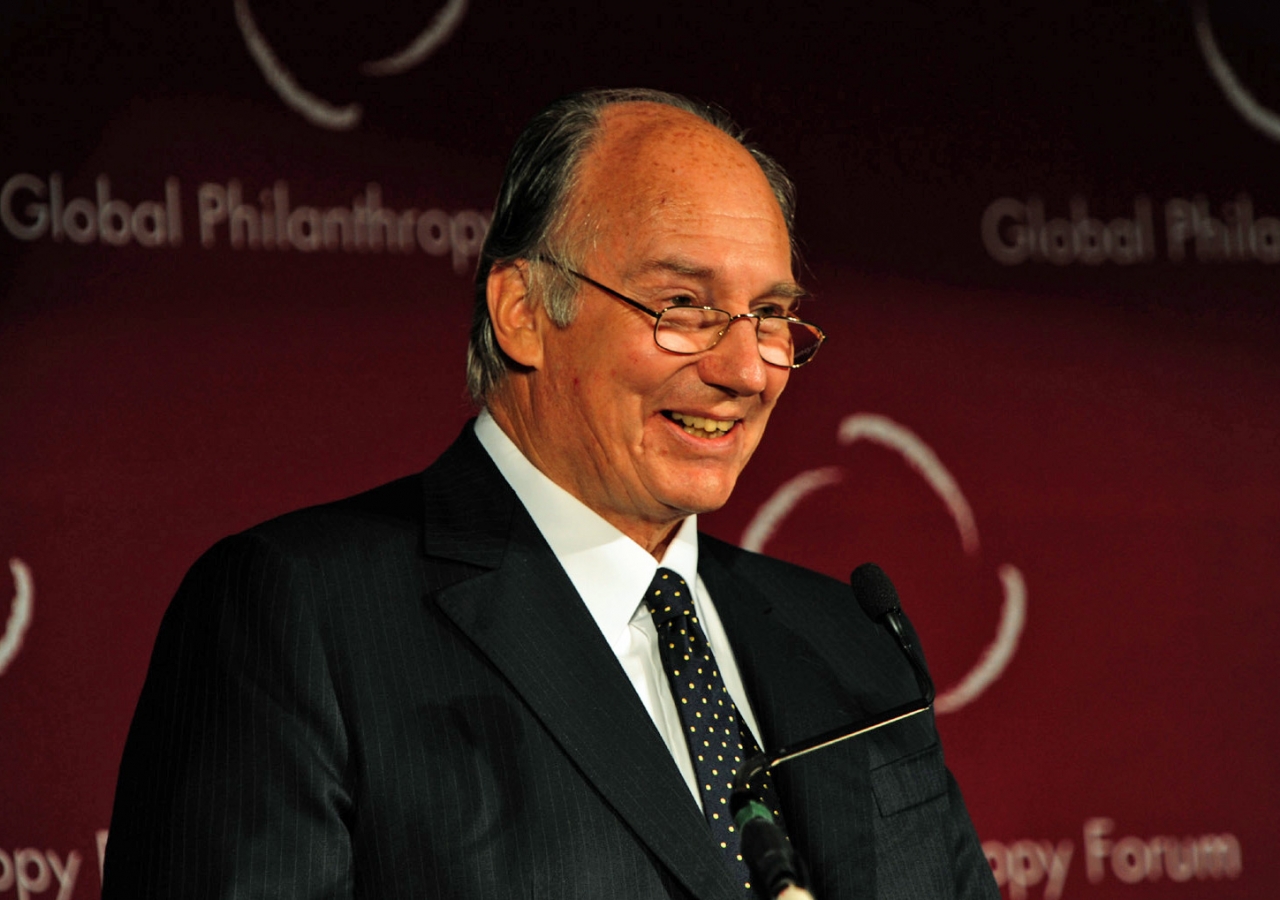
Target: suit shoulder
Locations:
point(809, 595)
point(391, 513)
point(758, 567)
point(309, 560)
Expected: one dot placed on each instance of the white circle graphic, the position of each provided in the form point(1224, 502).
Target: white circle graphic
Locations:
point(20, 610)
point(1239, 96)
point(317, 110)
point(423, 45)
point(919, 456)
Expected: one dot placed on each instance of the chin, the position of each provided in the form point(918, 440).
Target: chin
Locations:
point(693, 485)
point(695, 495)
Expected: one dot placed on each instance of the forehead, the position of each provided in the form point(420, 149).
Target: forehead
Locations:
point(656, 168)
point(654, 139)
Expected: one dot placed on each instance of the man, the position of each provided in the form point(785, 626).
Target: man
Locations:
point(455, 685)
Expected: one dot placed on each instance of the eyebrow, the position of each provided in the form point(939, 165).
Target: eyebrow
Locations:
point(788, 290)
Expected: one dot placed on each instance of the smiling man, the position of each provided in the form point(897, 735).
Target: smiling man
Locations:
point(675, 213)
point(523, 673)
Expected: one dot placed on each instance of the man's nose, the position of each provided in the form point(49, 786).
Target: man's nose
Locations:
point(734, 363)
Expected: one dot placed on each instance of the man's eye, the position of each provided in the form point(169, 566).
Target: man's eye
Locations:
point(682, 300)
point(771, 309)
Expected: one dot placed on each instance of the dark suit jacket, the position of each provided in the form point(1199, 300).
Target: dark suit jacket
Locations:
point(402, 695)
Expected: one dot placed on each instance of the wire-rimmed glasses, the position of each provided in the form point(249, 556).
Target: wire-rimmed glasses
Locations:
point(783, 340)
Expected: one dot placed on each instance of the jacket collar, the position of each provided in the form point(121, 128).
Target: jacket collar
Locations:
point(803, 680)
point(513, 600)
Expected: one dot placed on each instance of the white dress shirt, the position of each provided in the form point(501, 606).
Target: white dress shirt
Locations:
point(611, 573)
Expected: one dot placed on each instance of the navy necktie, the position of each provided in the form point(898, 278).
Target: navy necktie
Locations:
point(719, 740)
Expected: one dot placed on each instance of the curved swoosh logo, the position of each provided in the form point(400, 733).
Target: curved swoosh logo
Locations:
point(920, 457)
point(1239, 96)
point(20, 610)
point(316, 109)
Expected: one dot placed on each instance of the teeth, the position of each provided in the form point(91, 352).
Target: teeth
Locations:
point(701, 426)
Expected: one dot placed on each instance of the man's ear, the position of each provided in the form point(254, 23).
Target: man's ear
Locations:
point(514, 315)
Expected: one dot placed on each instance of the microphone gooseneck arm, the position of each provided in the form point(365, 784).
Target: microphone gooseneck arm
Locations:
point(757, 764)
point(897, 625)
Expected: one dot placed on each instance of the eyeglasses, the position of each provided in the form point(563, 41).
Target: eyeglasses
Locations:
point(783, 340)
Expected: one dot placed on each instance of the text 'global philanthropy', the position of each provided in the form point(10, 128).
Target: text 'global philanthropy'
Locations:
point(1018, 231)
point(229, 215)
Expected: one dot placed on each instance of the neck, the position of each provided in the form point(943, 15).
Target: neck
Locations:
point(657, 547)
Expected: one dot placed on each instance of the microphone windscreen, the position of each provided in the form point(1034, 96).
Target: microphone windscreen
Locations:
point(874, 591)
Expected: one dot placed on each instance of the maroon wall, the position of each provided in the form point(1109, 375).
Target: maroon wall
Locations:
point(1045, 246)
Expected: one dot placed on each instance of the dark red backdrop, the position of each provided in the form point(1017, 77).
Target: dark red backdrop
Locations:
point(1112, 428)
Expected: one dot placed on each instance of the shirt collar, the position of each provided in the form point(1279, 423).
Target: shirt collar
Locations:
point(610, 571)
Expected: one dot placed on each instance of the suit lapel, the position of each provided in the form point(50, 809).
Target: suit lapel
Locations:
point(512, 598)
point(796, 694)
point(791, 682)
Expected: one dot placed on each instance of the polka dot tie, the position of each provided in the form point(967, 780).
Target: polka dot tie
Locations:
point(718, 739)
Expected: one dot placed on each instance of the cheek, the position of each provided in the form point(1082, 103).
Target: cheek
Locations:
point(632, 376)
point(630, 361)
point(777, 383)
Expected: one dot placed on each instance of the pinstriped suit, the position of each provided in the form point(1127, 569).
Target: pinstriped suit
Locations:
point(401, 695)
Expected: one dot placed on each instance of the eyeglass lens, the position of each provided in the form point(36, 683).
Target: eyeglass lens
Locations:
point(689, 330)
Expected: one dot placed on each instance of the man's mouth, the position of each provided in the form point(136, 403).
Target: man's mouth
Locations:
point(698, 426)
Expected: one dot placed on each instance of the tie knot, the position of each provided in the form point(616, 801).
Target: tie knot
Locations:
point(668, 597)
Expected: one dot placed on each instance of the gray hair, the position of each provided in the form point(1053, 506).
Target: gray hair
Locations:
point(533, 204)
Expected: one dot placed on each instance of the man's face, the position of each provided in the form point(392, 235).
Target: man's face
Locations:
point(677, 212)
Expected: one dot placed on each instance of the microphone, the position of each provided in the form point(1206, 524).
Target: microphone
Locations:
point(775, 865)
point(776, 868)
point(878, 598)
